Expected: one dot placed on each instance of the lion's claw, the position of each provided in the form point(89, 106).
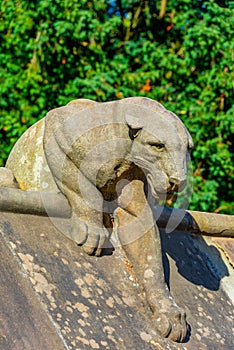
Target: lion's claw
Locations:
point(91, 238)
point(171, 323)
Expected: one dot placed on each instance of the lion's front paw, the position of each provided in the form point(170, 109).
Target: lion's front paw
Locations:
point(90, 237)
point(95, 242)
point(171, 322)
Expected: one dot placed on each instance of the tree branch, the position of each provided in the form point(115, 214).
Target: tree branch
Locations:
point(163, 8)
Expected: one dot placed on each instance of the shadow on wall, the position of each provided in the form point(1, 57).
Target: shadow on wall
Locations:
point(196, 261)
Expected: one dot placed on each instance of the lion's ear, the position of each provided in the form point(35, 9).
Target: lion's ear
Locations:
point(134, 125)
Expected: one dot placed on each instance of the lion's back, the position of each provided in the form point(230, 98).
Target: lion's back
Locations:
point(28, 163)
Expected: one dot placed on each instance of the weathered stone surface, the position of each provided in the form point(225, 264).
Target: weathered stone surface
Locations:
point(24, 324)
point(227, 245)
point(7, 178)
point(95, 303)
point(28, 163)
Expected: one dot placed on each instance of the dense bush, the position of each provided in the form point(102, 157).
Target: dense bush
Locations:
point(177, 52)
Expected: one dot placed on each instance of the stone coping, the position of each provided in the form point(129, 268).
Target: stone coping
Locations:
point(53, 296)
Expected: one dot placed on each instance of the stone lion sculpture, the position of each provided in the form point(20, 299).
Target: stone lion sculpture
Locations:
point(111, 161)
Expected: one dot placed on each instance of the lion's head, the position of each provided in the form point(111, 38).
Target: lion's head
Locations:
point(160, 145)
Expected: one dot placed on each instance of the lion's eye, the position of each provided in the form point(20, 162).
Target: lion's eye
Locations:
point(159, 146)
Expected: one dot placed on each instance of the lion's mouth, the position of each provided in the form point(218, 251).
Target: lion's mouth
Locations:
point(164, 186)
point(157, 193)
point(170, 189)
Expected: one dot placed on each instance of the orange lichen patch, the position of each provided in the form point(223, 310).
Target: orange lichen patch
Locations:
point(130, 268)
point(22, 185)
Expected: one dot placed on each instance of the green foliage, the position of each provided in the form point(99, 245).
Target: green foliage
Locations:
point(53, 52)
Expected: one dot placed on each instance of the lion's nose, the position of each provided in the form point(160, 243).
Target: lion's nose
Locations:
point(177, 185)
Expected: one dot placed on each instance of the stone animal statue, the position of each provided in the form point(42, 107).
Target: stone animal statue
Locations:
point(111, 161)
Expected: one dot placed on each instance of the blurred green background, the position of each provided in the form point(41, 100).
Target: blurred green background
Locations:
point(178, 52)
